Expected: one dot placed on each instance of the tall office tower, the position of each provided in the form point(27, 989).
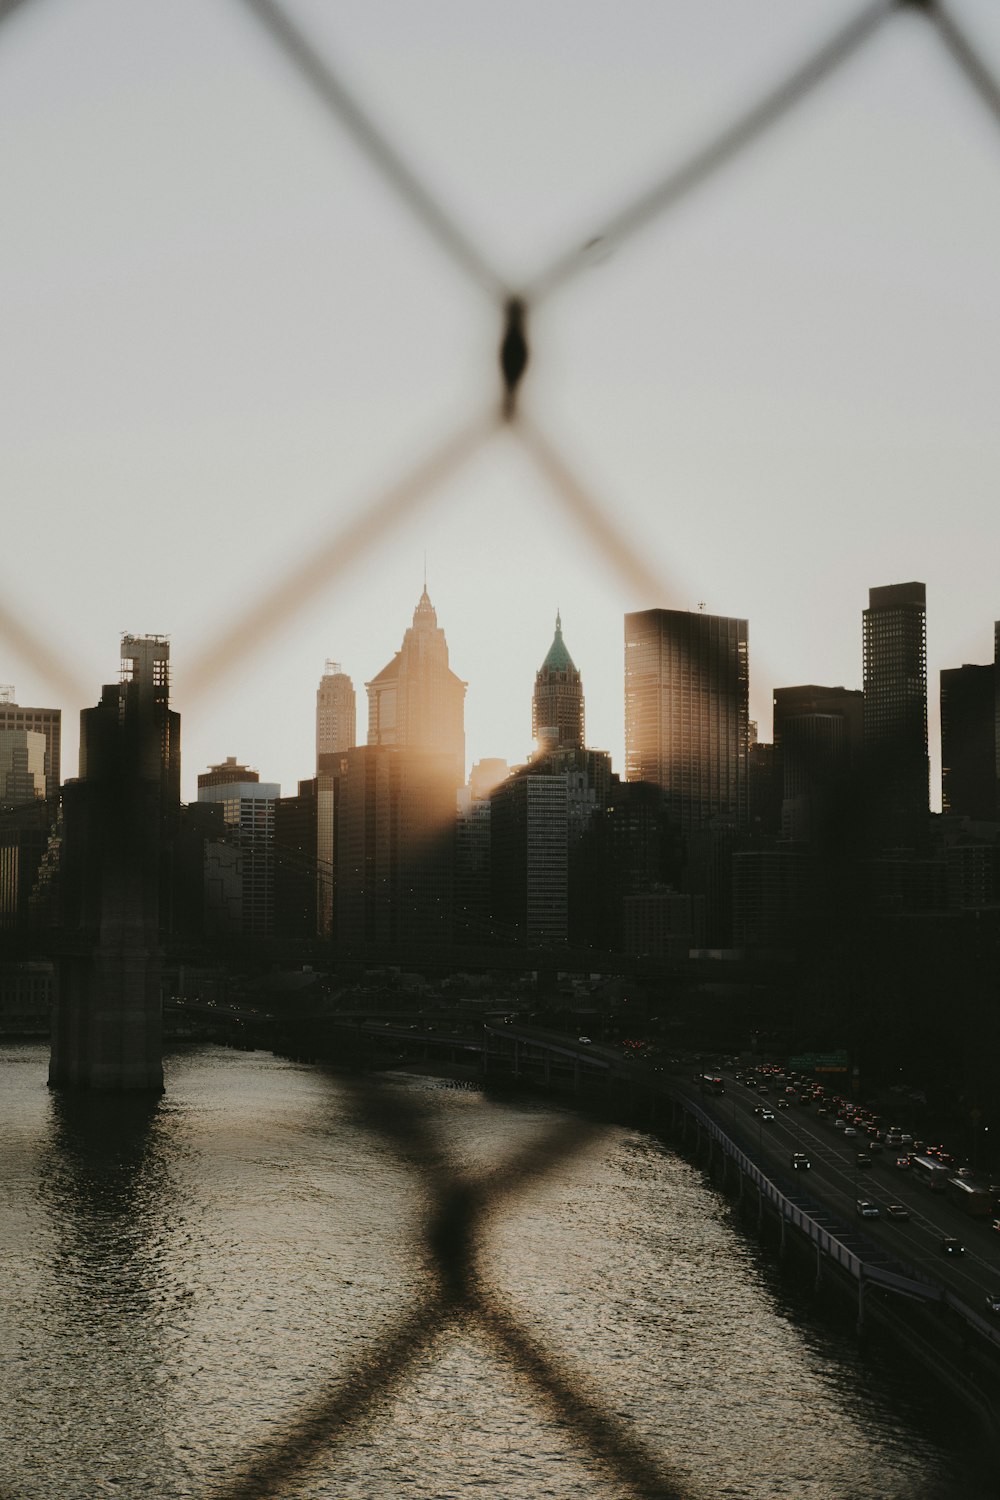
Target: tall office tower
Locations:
point(45, 721)
point(764, 794)
point(416, 701)
point(336, 713)
point(968, 741)
point(472, 898)
point(895, 714)
point(391, 837)
point(557, 703)
point(529, 843)
point(26, 831)
point(687, 712)
point(818, 744)
point(248, 812)
point(297, 888)
point(22, 767)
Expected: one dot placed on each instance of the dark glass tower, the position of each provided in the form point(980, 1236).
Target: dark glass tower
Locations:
point(968, 741)
point(895, 714)
point(687, 680)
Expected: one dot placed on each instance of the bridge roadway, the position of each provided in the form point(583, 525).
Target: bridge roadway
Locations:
point(900, 1255)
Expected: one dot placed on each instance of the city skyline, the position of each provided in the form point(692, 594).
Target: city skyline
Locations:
point(792, 400)
point(193, 775)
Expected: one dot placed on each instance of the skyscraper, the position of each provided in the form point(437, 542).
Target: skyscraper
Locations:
point(529, 854)
point(336, 713)
point(248, 811)
point(391, 839)
point(895, 714)
point(818, 740)
point(687, 712)
point(557, 703)
point(417, 702)
point(968, 741)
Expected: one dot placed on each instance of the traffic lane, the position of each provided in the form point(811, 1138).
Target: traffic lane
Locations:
point(840, 1183)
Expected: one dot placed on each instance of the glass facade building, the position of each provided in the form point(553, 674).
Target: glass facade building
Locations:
point(687, 717)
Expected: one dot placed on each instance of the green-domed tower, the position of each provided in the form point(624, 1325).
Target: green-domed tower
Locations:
point(557, 704)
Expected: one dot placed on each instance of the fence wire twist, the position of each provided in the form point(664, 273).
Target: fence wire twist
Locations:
point(463, 1294)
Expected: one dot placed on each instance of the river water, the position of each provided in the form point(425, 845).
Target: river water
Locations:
point(179, 1278)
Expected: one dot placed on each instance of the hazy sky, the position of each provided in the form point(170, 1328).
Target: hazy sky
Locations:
point(224, 336)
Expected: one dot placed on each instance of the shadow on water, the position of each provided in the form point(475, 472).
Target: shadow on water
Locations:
point(101, 1152)
point(106, 1188)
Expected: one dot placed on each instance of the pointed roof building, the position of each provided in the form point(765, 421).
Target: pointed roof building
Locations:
point(417, 701)
point(557, 704)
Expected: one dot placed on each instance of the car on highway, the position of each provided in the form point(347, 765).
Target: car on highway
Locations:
point(993, 1301)
point(867, 1209)
point(903, 1163)
point(951, 1246)
point(849, 1130)
point(897, 1211)
point(585, 1040)
point(800, 1161)
point(766, 1113)
point(862, 1159)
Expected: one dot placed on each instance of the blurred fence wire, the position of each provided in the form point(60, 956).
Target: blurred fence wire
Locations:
point(464, 1294)
point(605, 528)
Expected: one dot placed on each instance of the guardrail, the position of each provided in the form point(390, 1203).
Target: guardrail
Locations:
point(809, 1220)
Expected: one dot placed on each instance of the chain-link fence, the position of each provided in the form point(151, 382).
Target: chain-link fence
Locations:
point(464, 1291)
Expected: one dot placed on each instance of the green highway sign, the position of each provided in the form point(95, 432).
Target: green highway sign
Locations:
point(829, 1062)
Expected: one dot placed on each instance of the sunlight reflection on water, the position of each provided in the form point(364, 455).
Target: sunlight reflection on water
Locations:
point(181, 1276)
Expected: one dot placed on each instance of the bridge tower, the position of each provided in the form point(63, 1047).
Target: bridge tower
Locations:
point(107, 1023)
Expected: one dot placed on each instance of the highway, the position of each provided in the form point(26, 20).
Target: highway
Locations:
point(836, 1180)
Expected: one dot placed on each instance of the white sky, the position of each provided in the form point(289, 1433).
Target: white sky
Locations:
point(223, 335)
